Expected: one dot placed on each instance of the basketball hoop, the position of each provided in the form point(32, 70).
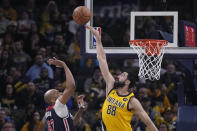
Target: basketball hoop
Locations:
point(150, 53)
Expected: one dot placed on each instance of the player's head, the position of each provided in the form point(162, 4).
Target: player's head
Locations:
point(51, 96)
point(122, 80)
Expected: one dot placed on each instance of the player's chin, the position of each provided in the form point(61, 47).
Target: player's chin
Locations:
point(119, 84)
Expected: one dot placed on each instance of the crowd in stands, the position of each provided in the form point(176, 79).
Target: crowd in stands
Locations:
point(30, 33)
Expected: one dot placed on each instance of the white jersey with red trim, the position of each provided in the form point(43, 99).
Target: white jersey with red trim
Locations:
point(58, 118)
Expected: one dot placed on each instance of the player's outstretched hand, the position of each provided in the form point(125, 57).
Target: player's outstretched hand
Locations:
point(94, 32)
point(56, 62)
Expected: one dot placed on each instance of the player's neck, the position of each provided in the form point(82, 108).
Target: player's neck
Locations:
point(123, 91)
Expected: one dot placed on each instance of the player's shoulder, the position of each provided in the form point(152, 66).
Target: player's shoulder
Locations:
point(58, 104)
point(112, 91)
point(131, 94)
point(60, 109)
point(134, 103)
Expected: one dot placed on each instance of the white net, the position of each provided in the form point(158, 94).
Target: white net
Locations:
point(150, 54)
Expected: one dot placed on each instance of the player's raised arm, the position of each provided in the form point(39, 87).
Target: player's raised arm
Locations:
point(135, 104)
point(70, 82)
point(102, 60)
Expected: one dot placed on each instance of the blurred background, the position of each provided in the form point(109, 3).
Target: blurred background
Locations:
point(32, 31)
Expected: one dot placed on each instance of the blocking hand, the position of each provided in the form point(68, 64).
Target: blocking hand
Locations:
point(94, 32)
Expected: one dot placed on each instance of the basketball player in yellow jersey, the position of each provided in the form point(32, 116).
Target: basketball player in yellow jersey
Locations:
point(120, 104)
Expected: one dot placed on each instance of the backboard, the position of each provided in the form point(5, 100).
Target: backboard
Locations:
point(121, 21)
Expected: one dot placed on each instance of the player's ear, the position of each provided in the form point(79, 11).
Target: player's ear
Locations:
point(53, 100)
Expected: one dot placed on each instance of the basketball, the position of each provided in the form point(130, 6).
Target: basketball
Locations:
point(81, 15)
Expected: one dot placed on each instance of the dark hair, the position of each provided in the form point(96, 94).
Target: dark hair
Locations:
point(32, 121)
point(132, 80)
point(118, 84)
point(11, 121)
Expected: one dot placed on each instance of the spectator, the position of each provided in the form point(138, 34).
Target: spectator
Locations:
point(42, 51)
point(8, 79)
point(5, 61)
point(3, 22)
point(34, 29)
point(64, 27)
point(8, 99)
point(30, 95)
point(94, 87)
point(22, 117)
point(93, 82)
point(3, 116)
point(7, 42)
point(29, 110)
point(59, 45)
point(34, 40)
point(8, 126)
point(175, 111)
point(163, 127)
point(58, 86)
point(50, 9)
point(12, 28)
point(74, 49)
point(15, 73)
point(169, 81)
point(50, 21)
point(131, 63)
point(33, 44)
point(34, 70)
point(9, 12)
point(146, 103)
point(49, 52)
point(168, 119)
point(20, 58)
point(47, 29)
point(160, 100)
point(142, 93)
point(3, 76)
point(24, 23)
point(32, 11)
point(34, 124)
point(44, 83)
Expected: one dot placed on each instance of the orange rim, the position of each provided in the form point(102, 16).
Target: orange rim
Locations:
point(155, 47)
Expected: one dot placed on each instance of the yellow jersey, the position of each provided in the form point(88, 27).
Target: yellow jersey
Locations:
point(115, 113)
